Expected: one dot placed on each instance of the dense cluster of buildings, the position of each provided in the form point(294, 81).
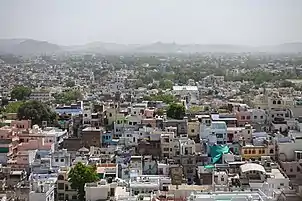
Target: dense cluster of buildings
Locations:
point(223, 150)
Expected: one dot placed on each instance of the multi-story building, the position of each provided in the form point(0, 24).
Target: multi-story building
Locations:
point(41, 95)
point(168, 143)
point(101, 190)
point(64, 190)
point(42, 191)
point(215, 132)
point(92, 136)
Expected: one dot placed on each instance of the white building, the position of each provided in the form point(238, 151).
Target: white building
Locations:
point(99, 191)
point(232, 196)
point(42, 96)
point(60, 158)
point(42, 191)
point(188, 92)
point(140, 184)
point(64, 190)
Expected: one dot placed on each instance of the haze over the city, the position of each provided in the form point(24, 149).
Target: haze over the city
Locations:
point(72, 22)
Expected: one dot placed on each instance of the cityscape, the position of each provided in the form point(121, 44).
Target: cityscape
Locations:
point(156, 121)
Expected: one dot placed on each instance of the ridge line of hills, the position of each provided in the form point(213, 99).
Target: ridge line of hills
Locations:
point(30, 46)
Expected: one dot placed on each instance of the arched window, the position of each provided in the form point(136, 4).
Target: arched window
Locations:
point(271, 151)
point(60, 177)
point(279, 102)
point(274, 102)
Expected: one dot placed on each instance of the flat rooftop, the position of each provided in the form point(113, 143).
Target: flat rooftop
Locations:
point(190, 187)
point(277, 174)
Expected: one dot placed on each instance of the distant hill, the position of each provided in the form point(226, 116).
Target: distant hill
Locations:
point(286, 47)
point(27, 46)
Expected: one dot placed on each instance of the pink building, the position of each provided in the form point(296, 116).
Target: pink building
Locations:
point(22, 124)
point(22, 160)
point(149, 113)
point(9, 141)
point(149, 122)
point(35, 144)
point(243, 118)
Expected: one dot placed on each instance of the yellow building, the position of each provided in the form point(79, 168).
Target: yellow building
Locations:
point(255, 152)
point(193, 129)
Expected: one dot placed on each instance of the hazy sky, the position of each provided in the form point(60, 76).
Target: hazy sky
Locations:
point(69, 22)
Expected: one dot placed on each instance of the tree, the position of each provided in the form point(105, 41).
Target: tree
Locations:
point(159, 112)
point(165, 84)
point(70, 83)
point(176, 111)
point(13, 107)
point(286, 83)
point(20, 93)
point(37, 112)
point(81, 174)
point(4, 101)
point(68, 97)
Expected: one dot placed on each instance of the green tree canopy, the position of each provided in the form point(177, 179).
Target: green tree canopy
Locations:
point(70, 83)
point(165, 84)
point(81, 174)
point(37, 112)
point(13, 107)
point(68, 97)
point(176, 111)
point(20, 93)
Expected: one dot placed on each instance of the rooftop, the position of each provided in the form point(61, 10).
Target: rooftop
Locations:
point(187, 88)
point(252, 166)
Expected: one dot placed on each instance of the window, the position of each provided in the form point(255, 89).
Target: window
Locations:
point(57, 160)
point(250, 151)
point(273, 116)
point(279, 102)
point(222, 178)
point(62, 159)
point(61, 186)
point(291, 169)
point(248, 117)
point(192, 130)
point(245, 151)
point(253, 151)
point(274, 102)
point(255, 117)
point(242, 117)
point(60, 177)
point(110, 114)
point(271, 151)
point(298, 169)
point(74, 197)
point(61, 196)
point(261, 117)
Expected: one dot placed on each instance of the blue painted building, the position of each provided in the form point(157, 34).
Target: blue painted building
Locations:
point(73, 109)
point(107, 139)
